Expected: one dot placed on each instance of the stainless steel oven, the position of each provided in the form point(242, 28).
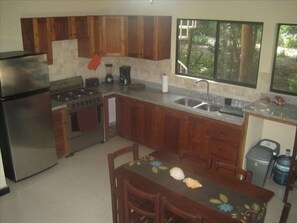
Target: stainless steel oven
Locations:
point(85, 126)
point(85, 112)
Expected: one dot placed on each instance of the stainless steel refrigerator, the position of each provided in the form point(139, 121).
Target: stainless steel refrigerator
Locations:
point(27, 137)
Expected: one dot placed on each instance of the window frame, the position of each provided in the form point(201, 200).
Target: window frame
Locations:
point(216, 53)
point(274, 61)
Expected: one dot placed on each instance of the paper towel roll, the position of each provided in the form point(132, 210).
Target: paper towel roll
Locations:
point(164, 83)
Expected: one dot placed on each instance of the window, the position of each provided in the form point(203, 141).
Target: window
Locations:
point(284, 78)
point(223, 51)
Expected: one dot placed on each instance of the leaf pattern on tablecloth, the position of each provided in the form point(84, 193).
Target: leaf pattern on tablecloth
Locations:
point(248, 213)
point(149, 160)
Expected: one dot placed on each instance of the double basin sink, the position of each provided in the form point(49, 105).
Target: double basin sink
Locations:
point(208, 107)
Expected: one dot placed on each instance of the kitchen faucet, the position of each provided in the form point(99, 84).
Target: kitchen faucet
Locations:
point(207, 84)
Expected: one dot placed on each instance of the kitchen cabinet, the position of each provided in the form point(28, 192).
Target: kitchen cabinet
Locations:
point(60, 28)
point(37, 36)
point(172, 129)
point(196, 137)
point(225, 142)
point(61, 132)
point(143, 122)
point(85, 35)
point(136, 120)
point(177, 131)
point(110, 35)
point(148, 37)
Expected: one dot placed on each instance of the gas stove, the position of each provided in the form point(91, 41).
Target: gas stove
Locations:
point(78, 98)
point(85, 118)
point(71, 92)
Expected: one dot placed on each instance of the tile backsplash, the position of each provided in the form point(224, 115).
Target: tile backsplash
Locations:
point(66, 63)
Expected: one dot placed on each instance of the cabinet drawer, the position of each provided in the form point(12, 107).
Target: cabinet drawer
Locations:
point(226, 133)
point(222, 151)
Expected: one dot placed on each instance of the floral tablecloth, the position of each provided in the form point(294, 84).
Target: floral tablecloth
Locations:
point(213, 195)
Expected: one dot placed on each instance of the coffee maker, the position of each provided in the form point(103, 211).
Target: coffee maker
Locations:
point(125, 78)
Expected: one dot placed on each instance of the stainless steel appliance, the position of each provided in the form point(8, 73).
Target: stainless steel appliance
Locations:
point(27, 136)
point(125, 78)
point(85, 112)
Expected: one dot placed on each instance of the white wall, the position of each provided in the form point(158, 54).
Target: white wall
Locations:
point(270, 12)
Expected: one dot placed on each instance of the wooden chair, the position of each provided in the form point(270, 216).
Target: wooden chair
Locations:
point(201, 160)
point(133, 149)
point(170, 214)
point(285, 212)
point(134, 209)
point(241, 174)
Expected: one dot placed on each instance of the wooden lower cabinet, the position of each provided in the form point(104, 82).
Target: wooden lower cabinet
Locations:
point(177, 131)
point(196, 137)
point(61, 134)
point(172, 128)
point(136, 120)
point(225, 142)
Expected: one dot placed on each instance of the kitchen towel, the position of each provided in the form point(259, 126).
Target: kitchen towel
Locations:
point(88, 119)
point(164, 83)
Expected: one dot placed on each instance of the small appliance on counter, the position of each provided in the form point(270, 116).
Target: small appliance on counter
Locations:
point(109, 77)
point(125, 78)
point(92, 82)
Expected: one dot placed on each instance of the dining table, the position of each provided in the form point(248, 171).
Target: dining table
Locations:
point(219, 198)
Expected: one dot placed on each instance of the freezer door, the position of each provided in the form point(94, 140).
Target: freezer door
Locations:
point(23, 74)
point(30, 135)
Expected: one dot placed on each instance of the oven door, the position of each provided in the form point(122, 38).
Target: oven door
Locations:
point(85, 120)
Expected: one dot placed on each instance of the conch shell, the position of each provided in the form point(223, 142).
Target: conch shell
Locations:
point(191, 183)
point(177, 173)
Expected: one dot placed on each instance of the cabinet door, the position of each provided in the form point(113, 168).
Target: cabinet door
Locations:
point(85, 35)
point(156, 37)
point(134, 36)
point(61, 134)
point(37, 34)
point(79, 27)
point(123, 117)
point(60, 28)
point(225, 142)
point(113, 35)
point(196, 137)
point(163, 37)
point(148, 38)
point(172, 129)
point(143, 122)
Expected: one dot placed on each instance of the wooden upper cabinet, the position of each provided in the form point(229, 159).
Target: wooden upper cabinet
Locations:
point(149, 37)
point(85, 35)
point(79, 27)
point(134, 37)
point(60, 27)
point(112, 32)
point(37, 36)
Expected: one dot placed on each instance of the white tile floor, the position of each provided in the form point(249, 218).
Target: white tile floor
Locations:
point(77, 190)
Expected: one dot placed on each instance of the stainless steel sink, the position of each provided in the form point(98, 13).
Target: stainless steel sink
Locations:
point(189, 102)
point(209, 107)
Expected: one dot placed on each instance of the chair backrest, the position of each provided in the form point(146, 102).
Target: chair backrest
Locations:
point(133, 149)
point(139, 205)
point(241, 174)
point(171, 213)
point(201, 160)
point(285, 212)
